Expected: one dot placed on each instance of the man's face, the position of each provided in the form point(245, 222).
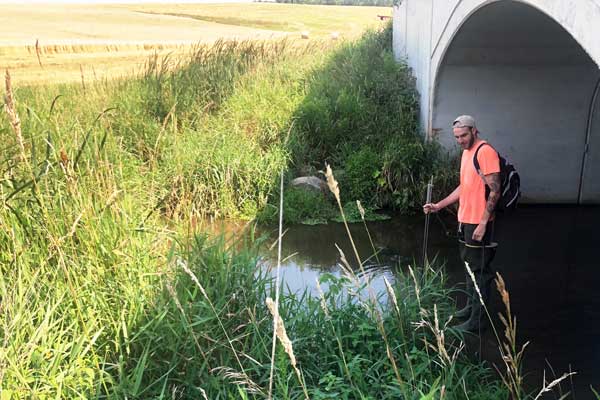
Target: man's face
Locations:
point(465, 137)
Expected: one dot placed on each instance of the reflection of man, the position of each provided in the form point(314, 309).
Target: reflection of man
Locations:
point(475, 215)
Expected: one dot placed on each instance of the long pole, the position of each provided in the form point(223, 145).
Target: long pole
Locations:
point(426, 230)
point(277, 278)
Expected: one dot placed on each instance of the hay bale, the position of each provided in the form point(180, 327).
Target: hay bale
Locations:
point(335, 35)
point(304, 34)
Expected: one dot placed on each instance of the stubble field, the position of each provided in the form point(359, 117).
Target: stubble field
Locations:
point(65, 43)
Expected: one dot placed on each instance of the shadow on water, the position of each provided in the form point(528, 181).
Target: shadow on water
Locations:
point(547, 255)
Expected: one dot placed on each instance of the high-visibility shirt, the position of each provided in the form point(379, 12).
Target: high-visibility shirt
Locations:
point(472, 188)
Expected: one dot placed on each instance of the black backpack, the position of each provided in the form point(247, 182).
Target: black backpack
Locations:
point(510, 183)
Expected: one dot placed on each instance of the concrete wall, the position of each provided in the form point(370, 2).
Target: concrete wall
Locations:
point(523, 76)
point(591, 174)
point(413, 36)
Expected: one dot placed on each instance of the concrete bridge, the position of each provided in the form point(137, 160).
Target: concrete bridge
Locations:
point(527, 70)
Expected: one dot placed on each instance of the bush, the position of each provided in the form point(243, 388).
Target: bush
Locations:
point(301, 207)
point(358, 182)
point(361, 116)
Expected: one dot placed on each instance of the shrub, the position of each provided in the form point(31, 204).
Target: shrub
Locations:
point(358, 182)
point(301, 206)
point(361, 116)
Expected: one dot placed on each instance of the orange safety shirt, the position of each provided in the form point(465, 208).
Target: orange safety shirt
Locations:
point(472, 188)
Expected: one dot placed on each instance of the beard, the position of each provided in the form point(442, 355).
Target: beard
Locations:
point(471, 142)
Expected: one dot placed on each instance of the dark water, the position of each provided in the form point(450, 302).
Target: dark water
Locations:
point(547, 255)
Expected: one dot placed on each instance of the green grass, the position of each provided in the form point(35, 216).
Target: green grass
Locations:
point(98, 211)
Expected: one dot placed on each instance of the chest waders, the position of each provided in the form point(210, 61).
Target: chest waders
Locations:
point(479, 256)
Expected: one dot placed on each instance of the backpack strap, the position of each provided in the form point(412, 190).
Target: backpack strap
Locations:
point(476, 161)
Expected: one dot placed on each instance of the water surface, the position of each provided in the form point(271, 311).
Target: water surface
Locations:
point(547, 255)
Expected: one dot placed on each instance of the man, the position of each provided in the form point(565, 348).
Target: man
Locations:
point(475, 215)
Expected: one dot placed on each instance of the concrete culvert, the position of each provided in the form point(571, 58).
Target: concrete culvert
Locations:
point(530, 84)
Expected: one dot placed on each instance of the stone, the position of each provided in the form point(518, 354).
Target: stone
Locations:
point(310, 183)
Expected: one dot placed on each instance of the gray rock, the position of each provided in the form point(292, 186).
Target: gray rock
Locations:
point(310, 183)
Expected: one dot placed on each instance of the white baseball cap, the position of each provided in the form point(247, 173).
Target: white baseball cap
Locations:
point(463, 121)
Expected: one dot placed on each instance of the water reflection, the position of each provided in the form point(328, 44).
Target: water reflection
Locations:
point(547, 255)
point(308, 251)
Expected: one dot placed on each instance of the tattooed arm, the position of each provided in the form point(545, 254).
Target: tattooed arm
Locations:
point(493, 182)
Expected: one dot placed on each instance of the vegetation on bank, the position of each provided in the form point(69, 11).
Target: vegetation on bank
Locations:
point(360, 114)
point(107, 292)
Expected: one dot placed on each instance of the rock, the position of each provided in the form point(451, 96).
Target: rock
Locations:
point(310, 183)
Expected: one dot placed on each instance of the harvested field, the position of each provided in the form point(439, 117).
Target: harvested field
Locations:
point(62, 43)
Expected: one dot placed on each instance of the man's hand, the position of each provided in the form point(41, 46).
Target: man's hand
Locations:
point(431, 208)
point(479, 232)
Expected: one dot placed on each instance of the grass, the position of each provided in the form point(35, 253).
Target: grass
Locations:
point(106, 289)
point(114, 41)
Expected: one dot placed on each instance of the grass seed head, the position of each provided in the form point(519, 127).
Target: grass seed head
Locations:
point(392, 294)
point(474, 283)
point(332, 183)
point(280, 331)
point(322, 297)
point(361, 210)
point(500, 285)
point(11, 110)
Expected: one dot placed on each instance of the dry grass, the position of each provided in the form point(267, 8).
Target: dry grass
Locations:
point(53, 43)
point(318, 20)
point(13, 117)
point(510, 352)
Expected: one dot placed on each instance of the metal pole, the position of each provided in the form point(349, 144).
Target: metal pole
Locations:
point(426, 230)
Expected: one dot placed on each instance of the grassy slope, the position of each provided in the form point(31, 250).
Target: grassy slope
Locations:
point(105, 41)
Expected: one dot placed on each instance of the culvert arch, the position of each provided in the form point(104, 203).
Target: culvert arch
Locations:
point(528, 71)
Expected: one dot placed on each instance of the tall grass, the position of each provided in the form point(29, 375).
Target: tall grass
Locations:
point(106, 291)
